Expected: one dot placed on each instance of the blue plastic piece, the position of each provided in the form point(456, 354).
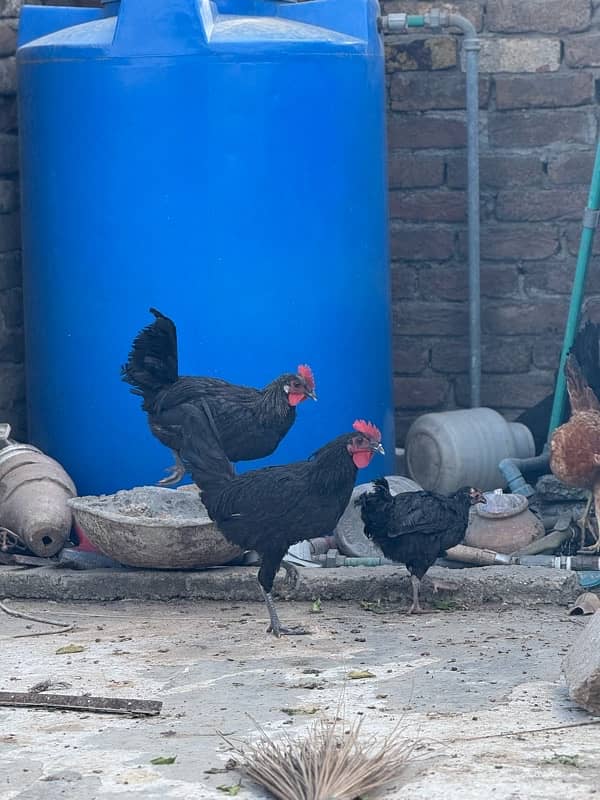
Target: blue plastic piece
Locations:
point(224, 163)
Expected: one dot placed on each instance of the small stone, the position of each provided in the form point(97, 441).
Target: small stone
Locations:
point(581, 667)
point(550, 489)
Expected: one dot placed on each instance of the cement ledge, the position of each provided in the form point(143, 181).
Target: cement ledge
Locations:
point(473, 587)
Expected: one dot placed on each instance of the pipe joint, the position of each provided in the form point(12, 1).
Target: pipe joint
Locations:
point(394, 23)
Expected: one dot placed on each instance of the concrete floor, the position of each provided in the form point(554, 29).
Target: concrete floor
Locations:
point(460, 682)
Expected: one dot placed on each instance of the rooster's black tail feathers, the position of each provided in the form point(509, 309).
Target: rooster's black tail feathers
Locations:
point(152, 363)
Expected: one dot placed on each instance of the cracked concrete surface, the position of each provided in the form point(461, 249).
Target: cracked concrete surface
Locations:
point(480, 690)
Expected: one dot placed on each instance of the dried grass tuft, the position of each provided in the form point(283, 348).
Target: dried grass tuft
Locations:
point(327, 762)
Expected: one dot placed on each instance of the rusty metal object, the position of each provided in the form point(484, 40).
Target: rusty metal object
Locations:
point(151, 526)
point(34, 490)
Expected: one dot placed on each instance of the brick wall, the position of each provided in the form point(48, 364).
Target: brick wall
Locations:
point(540, 63)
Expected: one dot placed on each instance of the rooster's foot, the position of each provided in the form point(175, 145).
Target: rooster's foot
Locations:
point(281, 630)
point(416, 609)
point(276, 628)
point(291, 574)
point(593, 548)
point(176, 473)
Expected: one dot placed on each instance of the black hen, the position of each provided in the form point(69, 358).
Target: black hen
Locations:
point(270, 509)
point(415, 528)
point(250, 422)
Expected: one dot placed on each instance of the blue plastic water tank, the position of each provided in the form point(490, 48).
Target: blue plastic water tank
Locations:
point(224, 162)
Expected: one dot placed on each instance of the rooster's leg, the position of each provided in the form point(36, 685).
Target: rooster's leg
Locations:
point(176, 473)
point(291, 574)
point(583, 523)
point(595, 548)
point(416, 606)
point(266, 576)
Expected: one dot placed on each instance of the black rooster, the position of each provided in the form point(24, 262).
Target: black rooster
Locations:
point(250, 422)
point(415, 528)
point(270, 509)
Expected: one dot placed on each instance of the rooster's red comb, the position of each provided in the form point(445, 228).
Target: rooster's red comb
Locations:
point(369, 430)
point(307, 376)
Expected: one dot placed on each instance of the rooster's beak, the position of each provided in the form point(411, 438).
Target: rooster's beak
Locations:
point(378, 448)
point(312, 395)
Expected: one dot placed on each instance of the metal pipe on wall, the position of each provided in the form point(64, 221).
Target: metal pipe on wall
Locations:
point(435, 20)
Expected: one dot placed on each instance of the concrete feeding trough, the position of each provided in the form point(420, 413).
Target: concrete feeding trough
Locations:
point(150, 526)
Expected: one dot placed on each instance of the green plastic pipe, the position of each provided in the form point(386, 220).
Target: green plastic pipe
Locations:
point(590, 220)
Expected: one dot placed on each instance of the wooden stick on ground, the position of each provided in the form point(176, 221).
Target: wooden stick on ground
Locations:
point(101, 705)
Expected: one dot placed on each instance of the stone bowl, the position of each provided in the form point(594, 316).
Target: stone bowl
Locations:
point(151, 526)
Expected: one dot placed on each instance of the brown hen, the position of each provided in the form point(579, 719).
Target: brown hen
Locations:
point(575, 446)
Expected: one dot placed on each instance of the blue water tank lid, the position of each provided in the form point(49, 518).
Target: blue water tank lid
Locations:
point(227, 33)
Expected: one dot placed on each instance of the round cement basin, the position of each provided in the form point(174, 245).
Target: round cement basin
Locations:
point(153, 527)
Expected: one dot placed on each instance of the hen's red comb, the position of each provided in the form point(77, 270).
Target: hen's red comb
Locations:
point(369, 430)
point(307, 376)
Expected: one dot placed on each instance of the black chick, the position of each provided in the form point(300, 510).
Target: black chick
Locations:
point(415, 528)
point(269, 509)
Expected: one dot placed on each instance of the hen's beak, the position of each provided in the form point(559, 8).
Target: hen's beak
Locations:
point(312, 395)
point(378, 448)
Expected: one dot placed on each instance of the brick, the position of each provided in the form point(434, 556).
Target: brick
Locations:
point(544, 91)
point(9, 197)
point(414, 171)
point(540, 16)
point(431, 53)
point(471, 9)
point(420, 392)
point(431, 319)
point(507, 391)
point(8, 114)
point(540, 204)
point(11, 308)
point(10, 232)
point(539, 128)
point(421, 243)
point(556, 277)
point(452, 282)
point(519, 55)
point(544, 316)
point(573, 235)
point(583, 51)
point(12, 346)
point(426, 91)
point(411, 355)
point(10, 270)
point(496, 171)
point(404, 282)
point(572, 167)
point(9, 154)
point(8, 76)
point(422, 132)
point(503, 242)
point(402, 422)
point(10, 8)
point(12, 383)
point(8, 38)
point(428, 205)
point(546, 352)
point(497, 355)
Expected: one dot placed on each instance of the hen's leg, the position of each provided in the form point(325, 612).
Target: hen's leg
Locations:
point(416, 606)
point(584, 521)
point(291, 573)
point(266, 576)
point(595, 548)
point(176, 473)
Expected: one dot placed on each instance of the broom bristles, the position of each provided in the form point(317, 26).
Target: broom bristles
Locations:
point(325, 763)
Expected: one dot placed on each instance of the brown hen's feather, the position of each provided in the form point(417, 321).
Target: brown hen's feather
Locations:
point(581, 395)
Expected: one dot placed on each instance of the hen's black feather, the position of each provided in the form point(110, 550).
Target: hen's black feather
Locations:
point(414, 528)
point(268, 510)
point(250, 422)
